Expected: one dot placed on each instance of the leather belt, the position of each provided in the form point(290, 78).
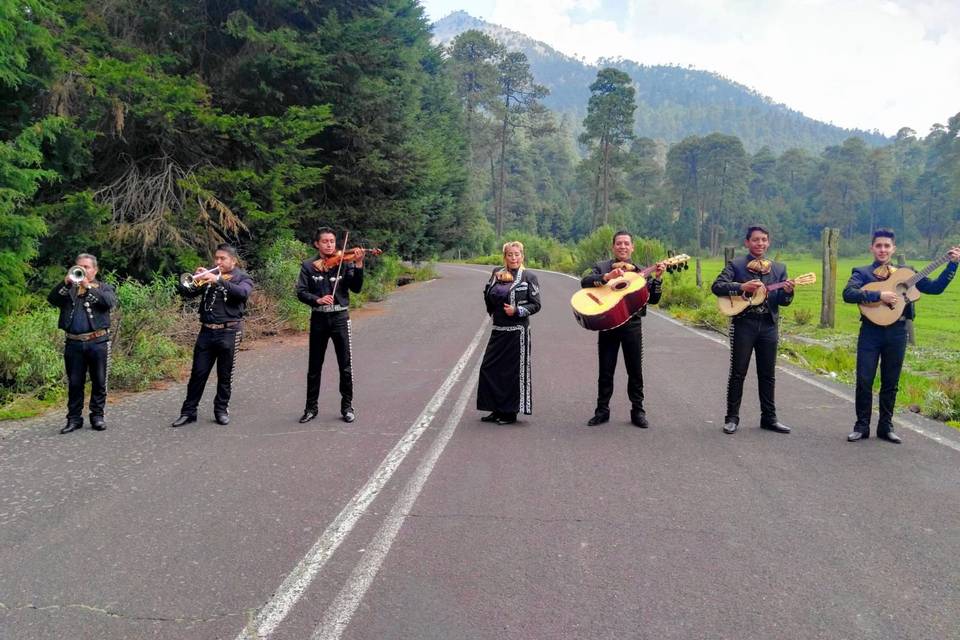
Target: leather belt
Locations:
point(87, 337)
point(330, 308)
point(222, 325)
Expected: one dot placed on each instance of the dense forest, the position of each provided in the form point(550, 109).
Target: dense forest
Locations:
point(145, 132)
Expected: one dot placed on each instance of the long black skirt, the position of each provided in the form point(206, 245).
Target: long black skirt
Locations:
point(505, 383)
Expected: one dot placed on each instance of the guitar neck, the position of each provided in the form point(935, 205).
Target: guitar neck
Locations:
point(927, 270)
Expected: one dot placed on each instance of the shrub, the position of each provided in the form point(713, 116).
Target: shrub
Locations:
point(597, 246)
point(146, 325)
point(31, 353)
point(685, 295)
point(277, 279)
point(937, 404)
point(802, 316)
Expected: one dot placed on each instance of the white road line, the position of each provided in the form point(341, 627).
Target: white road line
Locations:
point(341, 611)
point(297, 581)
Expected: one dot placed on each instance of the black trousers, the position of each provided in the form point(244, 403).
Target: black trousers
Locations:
point(885, 346)
point(333, 326)
point(629, 336)
point(213, 346)
point(749, 333)
point(80, 358)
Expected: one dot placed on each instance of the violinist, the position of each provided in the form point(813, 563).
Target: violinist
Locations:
point(325, 284)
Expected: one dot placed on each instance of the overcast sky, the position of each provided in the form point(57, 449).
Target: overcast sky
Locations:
point(857, 63)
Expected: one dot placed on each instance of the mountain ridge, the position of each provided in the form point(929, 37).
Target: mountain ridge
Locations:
point(673, 102)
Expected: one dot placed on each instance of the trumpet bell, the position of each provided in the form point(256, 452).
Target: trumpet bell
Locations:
point(76, 274)
point(187, 281)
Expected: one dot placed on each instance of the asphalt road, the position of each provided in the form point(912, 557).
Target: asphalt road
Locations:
point(419, 522)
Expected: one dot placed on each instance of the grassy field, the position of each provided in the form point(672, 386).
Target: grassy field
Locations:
point(931, 379)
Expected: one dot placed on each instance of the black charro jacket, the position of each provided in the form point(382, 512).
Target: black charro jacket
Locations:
point(224, 300)
point(524, 297)
point(861, 276)
point(313, 284)
point(96, 303)
point(736, 273)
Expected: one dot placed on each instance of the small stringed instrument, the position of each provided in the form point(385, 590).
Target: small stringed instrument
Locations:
point(350, 255)
point(903, 282)
point(736, 303)
point(608, 307)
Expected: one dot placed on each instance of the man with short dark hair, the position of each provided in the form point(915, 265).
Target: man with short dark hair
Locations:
point(628, 336)
point(755, 329)
point(223, 291)
point(884, 346)
point(324, 284)
point(85, 305)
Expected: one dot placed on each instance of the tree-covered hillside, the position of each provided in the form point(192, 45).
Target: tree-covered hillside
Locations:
point(672, 102)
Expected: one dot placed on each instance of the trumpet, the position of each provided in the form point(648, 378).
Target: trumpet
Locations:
point(189, 280)
point(76, 274)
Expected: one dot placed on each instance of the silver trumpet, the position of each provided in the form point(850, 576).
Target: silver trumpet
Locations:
point(76, 274)
point(189, 280)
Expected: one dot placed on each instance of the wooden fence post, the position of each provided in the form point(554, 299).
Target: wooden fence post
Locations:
point(699, 275)
point(828, 305)
point(728, 254)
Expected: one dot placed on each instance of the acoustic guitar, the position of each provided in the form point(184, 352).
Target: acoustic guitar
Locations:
point(903, 282)
point(736, 303)
point(608, 307)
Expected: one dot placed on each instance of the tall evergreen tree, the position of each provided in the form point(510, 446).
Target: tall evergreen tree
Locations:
point(519, 105)
point(608, 126)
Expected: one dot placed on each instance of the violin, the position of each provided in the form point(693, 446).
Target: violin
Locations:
point(350, 255)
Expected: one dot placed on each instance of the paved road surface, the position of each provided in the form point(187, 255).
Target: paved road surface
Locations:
point(420, 522)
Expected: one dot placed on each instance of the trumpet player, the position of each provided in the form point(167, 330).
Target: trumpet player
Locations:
point(223, 291)
point(85, 305)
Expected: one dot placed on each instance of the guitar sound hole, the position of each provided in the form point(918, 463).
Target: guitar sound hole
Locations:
point(619, 285)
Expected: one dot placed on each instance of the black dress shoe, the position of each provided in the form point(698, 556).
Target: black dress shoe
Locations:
point(222, 418)
point(507, 418)
point(856, 435)
point(639, 419)
point(779, 427)
point(493, 417)
point(730, 426)
point(182, 420)
point(349, 415)
point(308, 415)
point(71, 426)
point(598, 418)
point(890, 436)
point(97, 423)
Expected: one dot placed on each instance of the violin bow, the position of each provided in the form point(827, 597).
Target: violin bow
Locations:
point(346, 237)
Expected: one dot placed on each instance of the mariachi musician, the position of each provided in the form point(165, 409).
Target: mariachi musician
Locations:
point(511, 296)
point(884, 345)
point(223, 291)
point(629, 335)
point(756, 328)
point(85, 305)
point(324, 284)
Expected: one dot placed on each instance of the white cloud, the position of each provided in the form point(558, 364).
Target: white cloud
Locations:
point(858, 63)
